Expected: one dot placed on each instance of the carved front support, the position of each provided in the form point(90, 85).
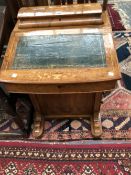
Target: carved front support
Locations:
point(38, 125)
point(96, 126)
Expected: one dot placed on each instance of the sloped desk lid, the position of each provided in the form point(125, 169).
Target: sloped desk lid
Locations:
point(60, 56)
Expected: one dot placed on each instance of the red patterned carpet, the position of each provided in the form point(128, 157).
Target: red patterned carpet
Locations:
point(25, 158)
point(115, 18)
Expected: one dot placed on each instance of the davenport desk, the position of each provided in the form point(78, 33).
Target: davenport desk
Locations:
point(64, 58)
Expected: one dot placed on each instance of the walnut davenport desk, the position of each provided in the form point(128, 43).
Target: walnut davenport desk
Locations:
point(64, 58)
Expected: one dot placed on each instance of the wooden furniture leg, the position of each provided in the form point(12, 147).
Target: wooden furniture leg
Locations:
point(96, 126)
point(38, 126)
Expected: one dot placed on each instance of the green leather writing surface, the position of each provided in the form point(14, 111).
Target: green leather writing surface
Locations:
point(60, 51)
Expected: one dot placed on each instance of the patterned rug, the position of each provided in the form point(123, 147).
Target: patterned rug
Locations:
point(25, 158)
point(12, 110)
point(122, 41)
point(115, 18)
point(124, 10)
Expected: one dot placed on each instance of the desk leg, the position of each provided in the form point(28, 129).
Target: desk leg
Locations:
point(38, 127)
point(96, 126)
